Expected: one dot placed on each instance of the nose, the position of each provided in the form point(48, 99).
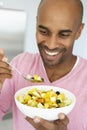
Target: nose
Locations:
point(52, 42)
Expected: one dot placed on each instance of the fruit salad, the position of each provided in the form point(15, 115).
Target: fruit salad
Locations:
point(44, 99)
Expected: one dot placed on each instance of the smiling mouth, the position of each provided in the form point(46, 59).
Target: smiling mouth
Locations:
point(52, 53)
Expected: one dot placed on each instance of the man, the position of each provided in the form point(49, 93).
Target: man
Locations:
point(59, 24)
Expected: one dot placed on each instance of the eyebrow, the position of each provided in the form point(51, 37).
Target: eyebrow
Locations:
point(61, 31)
point(65, 30)
point(42, 27)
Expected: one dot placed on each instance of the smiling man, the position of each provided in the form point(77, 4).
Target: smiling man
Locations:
point(59, 24)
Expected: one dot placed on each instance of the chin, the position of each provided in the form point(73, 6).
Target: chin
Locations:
point(51, 64)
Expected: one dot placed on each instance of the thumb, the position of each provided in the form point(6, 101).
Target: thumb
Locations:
point(63, 118)
point(1, 53)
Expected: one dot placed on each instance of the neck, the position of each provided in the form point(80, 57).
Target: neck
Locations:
point(56, 72)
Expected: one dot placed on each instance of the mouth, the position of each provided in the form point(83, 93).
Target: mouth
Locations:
point(52, 53)
point(51, 56)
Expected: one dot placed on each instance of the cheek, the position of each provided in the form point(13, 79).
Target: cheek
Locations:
point(40, 38)
point(69, 46)
point(69, 42)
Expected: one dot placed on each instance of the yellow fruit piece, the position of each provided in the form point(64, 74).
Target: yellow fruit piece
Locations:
point(36, 77)
point(61, 97)
point(32, 103)
point(27, 98)
point(32, 90)
point(46, 105)
point(20, 98)
point(44, 99)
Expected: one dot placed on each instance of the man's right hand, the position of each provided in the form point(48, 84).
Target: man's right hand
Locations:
point(5, 69)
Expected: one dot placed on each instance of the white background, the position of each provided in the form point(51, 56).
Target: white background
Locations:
point(30, 7)
point(80, 47)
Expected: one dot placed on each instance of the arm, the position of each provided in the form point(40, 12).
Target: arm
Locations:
point(41, 124)
point(5, 71)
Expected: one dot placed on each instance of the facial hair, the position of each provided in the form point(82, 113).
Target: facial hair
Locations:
point(51, 57)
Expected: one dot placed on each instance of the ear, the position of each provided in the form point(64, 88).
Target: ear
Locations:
point(79, 30)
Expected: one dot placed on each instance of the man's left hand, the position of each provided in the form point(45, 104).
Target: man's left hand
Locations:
point(41, 124)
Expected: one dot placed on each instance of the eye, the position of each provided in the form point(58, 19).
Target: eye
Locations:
point(43, 32)
point(64, 35)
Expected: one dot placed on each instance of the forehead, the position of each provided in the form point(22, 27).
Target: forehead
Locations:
point(56, 3)
point(58, 13)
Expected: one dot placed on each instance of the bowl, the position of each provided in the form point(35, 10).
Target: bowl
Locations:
point(49, 114)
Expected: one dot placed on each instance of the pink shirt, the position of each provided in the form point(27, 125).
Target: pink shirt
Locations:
point(75, 81)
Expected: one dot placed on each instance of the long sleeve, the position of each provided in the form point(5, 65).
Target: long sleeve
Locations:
point(6, 97)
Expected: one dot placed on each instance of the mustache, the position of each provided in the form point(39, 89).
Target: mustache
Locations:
point(60, 49)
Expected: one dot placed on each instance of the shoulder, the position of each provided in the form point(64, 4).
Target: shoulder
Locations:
point(26, 57)
point(82, 61)
point(82, 65)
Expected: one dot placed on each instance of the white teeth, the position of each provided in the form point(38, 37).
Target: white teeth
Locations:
point(51, 53)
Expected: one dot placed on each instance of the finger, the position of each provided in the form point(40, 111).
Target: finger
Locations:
point(46, 124)
point(53, 125)
point(1, 53)
point(5, 65)
point(63, 118)
point(5, 59)
point(5, 71)
point(5, 68)
point(5, 76)
point(36, 124)
point(30, 120)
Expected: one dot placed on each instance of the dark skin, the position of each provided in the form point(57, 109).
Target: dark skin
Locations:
point(56, 32)
point(41, 124)
point(58, 26)
point(5, 69)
